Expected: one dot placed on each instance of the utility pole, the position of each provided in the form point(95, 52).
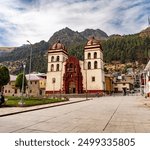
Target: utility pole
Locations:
point(21, 103)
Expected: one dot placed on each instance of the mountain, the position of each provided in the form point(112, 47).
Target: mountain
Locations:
point(127, 48)
point(75, 41)
point(145, 32)
point(98, 34)
point(20, 55)
point(4, 50)
point(68, 37)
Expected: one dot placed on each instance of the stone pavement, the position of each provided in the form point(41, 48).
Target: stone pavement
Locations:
point(104, 114)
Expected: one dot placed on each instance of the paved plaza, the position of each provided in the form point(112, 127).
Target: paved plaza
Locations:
point(103, 114)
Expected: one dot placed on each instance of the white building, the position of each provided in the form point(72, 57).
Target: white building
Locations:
point(66, 74)
point(146, 78)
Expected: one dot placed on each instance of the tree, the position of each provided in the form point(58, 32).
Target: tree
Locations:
point(4, 76)
point(19, 82)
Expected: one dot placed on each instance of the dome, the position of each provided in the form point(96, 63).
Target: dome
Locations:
point(93, 41)
point(58, 45)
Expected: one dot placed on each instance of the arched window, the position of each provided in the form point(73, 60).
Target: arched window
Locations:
point(89, 55)
point(57, 58)
point(52, 58)
point(71, 67)
point(52, 67)
point(95, 55)
point(57, 67)
point(89, 65)
point(95, 64)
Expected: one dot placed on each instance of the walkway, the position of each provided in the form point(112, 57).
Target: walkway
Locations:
point(104, 114)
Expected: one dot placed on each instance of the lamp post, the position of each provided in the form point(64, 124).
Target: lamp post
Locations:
point(21, 103)
point(53, 81)
point(29, 85)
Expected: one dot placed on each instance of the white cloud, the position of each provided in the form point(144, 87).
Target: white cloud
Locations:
point(40, 19)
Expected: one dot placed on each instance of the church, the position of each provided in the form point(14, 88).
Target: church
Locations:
point(68, 75)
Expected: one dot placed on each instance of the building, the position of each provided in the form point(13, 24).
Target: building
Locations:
point(146, 80)
point(108, 83)
point(10, 89)
point(124, 83)
point(37, 86)
point(66, 74)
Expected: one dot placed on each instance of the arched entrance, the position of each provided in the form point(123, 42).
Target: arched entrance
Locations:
point(72, 79)
point(72, 87)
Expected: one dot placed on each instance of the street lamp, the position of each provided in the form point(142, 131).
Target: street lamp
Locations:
point(29, 85)
point(53, 81)
point(21, 103)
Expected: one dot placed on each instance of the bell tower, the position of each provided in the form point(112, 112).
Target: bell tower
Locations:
point(57, 55)
point(93, 66)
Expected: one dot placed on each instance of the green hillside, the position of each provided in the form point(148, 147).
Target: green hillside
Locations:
point(128, 48)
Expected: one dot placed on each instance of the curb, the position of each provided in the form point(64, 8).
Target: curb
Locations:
point(24, 111)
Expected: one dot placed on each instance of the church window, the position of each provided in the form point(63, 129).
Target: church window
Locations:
point(93, 79)
point(71, 67)
point(95, 55)
point(52, 58)
point(95, 64)
point(52, 67)
point(57, 67)
point(89, 55)
point(89, 65)
point(53, 80)
point(57, 58)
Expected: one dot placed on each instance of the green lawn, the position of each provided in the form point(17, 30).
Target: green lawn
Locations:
point(13, 101)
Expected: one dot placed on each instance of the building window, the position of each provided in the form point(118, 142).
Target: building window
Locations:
point(89, 65)
point(95, 64)
point(93, 79)
point(95, 55)
point(5, 91)
point(57, 67)
point(8, 91)
point(35, 82)
point(52, 67)
point(15, 91)
point(89, 55)
point(52, 58)
point(57, 58)
point(30, 91)
point(71, 67)
point(30, 82)
point(124, 84)
point(53, 80)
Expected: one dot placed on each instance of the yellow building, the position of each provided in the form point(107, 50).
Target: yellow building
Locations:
point(35, 88)
point(108, 84)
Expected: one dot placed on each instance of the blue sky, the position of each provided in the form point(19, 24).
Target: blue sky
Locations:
point(36, 20)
